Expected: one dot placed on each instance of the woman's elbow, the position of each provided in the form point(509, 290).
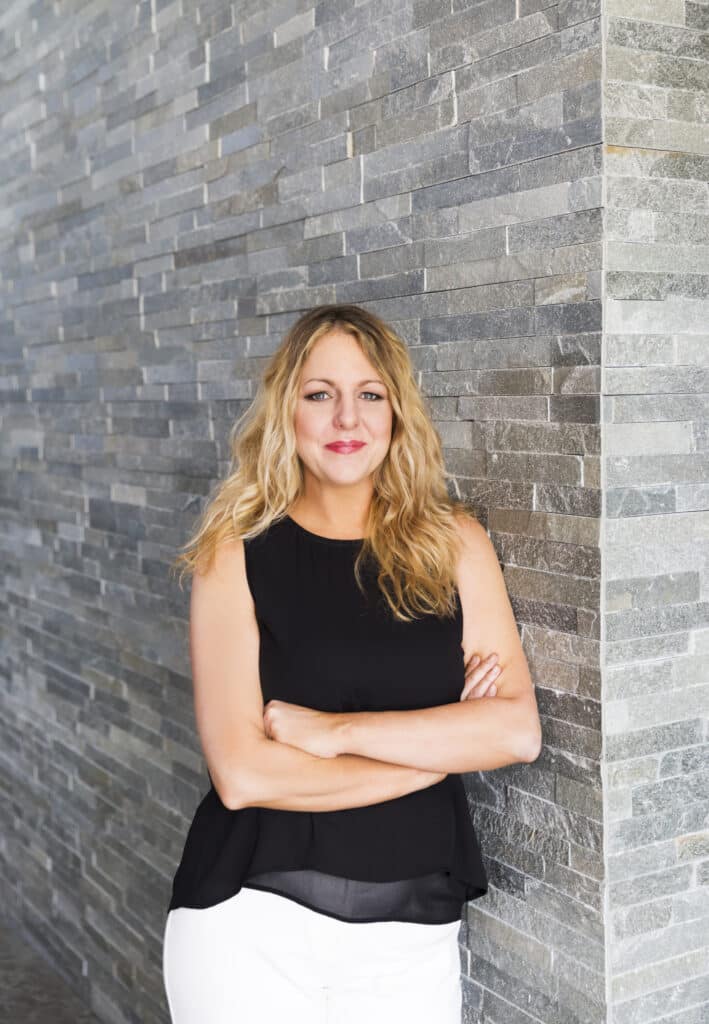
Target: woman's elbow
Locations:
point(527, 729)
point(228, 785)
point(533, 745)
point(224, 789)
point(247, 778)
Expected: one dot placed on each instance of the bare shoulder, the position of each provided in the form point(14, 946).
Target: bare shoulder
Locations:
point(479, 573)
point(228, 555)
point(224, 651)
point(489, 622)
point(475, 544)
point(225, 577)
point(221, 604)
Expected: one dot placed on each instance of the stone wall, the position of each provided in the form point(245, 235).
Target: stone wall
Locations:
point(656, 486)
point(180, 181)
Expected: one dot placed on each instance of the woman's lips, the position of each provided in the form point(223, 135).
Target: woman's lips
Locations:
point(345, 447)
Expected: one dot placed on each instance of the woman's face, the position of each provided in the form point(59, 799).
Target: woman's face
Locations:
point(341, 397)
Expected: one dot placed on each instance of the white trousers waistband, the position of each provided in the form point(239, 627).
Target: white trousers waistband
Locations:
point(261, 957)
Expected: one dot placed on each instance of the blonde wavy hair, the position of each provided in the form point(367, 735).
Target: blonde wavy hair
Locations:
point(411, 532)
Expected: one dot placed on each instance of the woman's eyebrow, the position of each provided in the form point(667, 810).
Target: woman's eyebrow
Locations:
point(359, 385)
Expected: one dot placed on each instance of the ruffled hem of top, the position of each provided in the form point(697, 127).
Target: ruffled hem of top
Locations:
point(223, 847)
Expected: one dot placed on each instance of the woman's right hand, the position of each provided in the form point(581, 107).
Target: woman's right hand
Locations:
point(480, 677)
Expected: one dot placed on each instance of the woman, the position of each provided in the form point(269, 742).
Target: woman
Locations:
point(337, 597)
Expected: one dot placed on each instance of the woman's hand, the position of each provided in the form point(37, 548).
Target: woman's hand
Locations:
point(316, 732)
point(480, 677)
point(306, 728)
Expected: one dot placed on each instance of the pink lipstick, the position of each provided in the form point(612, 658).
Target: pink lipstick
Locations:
point(345, 447)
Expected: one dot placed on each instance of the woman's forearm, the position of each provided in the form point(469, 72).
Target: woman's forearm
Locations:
point(283, 777)
point(466, 736)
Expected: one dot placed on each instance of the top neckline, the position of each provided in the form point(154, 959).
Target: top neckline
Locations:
point(335, 541)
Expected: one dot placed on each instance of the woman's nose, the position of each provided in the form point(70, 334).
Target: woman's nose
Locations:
point(346, 412)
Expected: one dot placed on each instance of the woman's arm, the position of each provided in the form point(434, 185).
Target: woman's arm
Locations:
point(246, 767)
point(470, 735)
point(496, 728)
point(462, 737)
point(282, 777)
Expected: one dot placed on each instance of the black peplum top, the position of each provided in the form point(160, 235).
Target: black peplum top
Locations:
point(324, 645)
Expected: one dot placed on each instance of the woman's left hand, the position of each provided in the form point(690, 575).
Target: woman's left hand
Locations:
point(480, 677)
point(298, 726)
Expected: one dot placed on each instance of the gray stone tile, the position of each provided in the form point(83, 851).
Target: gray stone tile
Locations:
point(31, 990)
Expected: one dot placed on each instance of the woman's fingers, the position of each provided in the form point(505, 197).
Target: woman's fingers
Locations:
point(480, 676)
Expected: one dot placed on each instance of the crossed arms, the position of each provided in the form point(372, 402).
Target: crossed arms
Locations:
point(329, 761)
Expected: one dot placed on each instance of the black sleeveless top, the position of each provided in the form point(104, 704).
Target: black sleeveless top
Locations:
point(324, 645)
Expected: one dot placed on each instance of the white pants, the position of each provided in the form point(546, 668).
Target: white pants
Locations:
point(262, 958)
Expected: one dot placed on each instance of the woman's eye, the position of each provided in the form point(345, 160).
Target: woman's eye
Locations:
point(374, 394)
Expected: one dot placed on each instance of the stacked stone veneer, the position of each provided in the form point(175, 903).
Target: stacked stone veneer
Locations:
point(656, 525)
point(521, 189)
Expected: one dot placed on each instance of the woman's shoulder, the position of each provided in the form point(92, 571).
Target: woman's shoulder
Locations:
point(471, 532)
